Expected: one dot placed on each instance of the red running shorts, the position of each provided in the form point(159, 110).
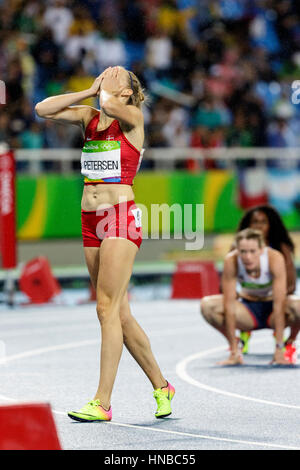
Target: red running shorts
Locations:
point(122, 220)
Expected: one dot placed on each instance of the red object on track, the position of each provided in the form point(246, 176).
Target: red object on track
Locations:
point(8, 245)
point(28, 427)
point(194, 280)
point(38, 282)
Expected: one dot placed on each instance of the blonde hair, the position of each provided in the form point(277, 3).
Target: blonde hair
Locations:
point(250, 234)
point(138, 96)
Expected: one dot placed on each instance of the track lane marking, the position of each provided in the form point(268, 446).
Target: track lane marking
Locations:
point(182, 373)
point(77, 344)
point(177, 433)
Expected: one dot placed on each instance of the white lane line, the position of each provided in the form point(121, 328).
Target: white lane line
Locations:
point(58, 347)
point(87, 324)
point(44, 330)
point(201, 436)
point(77, 344)
point(181, 371)
point(180, 433)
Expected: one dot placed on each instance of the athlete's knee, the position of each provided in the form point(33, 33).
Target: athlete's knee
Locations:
point(293, 312)
point(106, 307)
point(209, 309)
point(296, 310)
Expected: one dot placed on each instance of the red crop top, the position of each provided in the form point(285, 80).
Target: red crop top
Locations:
point(108, 156)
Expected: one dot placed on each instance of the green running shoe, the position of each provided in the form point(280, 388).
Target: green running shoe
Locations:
point(244, 338)
point(92, 411)
point(163, 397)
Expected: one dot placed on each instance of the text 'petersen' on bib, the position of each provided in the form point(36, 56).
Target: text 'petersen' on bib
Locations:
point(101, 159)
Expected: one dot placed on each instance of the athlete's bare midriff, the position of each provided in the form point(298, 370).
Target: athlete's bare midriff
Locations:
point(95, 195)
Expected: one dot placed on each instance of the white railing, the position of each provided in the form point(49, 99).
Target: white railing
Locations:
point(163, 158)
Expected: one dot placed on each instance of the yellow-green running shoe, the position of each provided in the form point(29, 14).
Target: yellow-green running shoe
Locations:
point(92, 411)
point(163, 397)
point(244, 338)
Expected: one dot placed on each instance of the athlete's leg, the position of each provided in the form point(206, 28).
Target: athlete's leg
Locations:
point(292, 317)
point(115, 268)
point(212, 309)
point(134, 338)
point(138, 344)
point(92, 261)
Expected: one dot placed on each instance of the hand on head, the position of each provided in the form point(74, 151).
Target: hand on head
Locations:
point(111, 80)
point(114, 81)
point(107, 73)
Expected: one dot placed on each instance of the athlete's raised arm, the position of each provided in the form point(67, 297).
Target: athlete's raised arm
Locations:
point(60, 108)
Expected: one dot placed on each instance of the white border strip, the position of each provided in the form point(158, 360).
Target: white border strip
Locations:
point(58, 347)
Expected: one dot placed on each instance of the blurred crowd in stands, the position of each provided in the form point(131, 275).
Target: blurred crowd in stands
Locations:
point(217, 72)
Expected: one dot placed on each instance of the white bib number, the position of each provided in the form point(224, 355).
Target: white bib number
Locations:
point(101, 159)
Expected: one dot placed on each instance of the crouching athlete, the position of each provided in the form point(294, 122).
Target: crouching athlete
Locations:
point(262, 301)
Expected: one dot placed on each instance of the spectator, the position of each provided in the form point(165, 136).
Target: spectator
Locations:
point(239, 135)
point(175, 130)
point(32, 138)
point(134, 25)
point(46, 54)
point(81, 81)
point(205, 138)
point(158, 118)
point(112, 42)
point(27, 19)
point(58, 18)
point(280, 134)
point(170, 19)
point(4, 127)
point(82, 36)
point(211, 113)
point(22, 117)
point(159, 51)
point(58, 136)
point(14, 89)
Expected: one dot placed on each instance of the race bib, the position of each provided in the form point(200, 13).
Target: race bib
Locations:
point(101, 159)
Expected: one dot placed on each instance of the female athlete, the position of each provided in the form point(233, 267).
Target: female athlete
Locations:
point(111, 224)
point(266, 219)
